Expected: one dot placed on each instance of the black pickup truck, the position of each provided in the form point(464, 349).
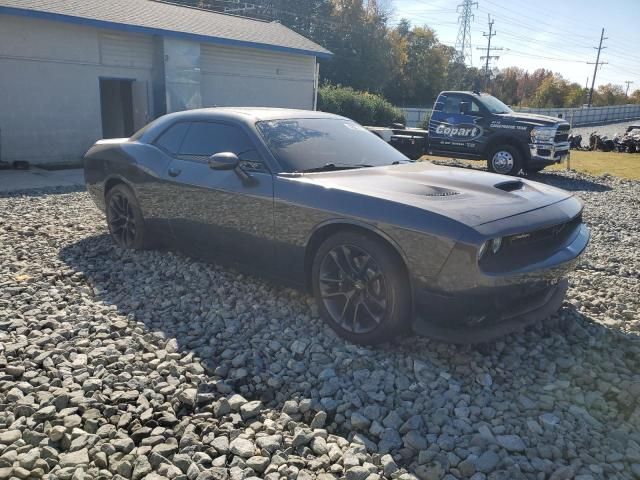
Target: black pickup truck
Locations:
point(478, 126)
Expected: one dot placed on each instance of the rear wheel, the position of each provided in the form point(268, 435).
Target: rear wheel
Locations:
point(124, 218)
point(505, 159)
point(361, 288)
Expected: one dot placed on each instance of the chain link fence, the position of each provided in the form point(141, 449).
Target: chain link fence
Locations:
point(577, 117)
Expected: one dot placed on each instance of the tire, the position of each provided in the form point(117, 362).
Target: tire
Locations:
point(505, 160)
point(124, 218)
point(361, 288)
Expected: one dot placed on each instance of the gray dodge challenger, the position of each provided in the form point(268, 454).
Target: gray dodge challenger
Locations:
point(385, 244)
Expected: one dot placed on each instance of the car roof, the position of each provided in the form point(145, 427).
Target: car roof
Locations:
point(246, 115)
point(254, 114)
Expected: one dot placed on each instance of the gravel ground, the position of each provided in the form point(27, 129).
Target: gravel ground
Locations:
point(150, 365)
point(608, 130)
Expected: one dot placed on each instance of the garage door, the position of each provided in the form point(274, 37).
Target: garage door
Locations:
point(252, 77)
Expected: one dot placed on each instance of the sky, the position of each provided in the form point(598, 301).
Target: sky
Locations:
point(558, 35)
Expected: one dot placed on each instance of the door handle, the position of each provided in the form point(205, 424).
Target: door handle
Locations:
point(174, 172)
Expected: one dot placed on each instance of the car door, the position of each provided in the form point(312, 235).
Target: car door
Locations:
point(216, 214)
point(456, 125)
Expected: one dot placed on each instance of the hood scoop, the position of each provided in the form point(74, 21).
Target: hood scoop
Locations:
point(434, 191)
point(510, 185)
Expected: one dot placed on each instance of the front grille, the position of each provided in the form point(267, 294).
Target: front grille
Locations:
point(562, 134)
point(550, 234)
point(529, 247)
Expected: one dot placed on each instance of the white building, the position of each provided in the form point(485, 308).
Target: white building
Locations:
point(74, 71)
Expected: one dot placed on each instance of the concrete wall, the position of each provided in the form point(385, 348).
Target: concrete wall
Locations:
point(249, 77)
point(49, 86)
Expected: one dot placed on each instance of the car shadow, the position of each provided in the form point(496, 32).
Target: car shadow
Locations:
point(211, 311)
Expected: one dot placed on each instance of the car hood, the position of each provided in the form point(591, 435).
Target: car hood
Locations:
point(531, 119)
point(470, 197)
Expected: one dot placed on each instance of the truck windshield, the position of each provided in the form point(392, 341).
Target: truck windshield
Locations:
point(313, 144)
point(494, 105)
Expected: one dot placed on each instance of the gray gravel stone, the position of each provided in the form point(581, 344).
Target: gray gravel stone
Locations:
point(148, 365)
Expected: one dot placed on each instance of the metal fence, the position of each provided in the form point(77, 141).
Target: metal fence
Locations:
point(414, 117)
point(577, 117)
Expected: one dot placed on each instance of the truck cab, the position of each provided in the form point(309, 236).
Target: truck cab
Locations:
point(478, 126)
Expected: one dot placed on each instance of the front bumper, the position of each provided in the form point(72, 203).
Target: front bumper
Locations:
point(542, 154)
point(499, 303)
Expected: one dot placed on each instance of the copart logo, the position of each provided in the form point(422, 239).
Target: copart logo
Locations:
point(464, 132)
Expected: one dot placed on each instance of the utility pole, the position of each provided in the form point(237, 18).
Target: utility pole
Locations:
point(488, 57)
point(595, 69)
point(463, 41)
point(626, 93)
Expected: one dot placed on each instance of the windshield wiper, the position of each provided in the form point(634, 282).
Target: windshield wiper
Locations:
point(327, 167)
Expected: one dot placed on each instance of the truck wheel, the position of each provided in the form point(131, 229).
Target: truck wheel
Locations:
point(505, 160)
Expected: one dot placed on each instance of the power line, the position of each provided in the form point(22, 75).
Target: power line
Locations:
point(595, 69)
point(463, 42)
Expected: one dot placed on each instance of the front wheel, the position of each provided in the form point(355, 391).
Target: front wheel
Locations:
point(361, 288)
point(505, 160)
point(124, 218)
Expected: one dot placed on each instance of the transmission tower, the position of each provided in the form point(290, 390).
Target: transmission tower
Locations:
point(463, 42)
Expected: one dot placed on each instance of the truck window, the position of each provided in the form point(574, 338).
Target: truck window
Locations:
point(451, 103)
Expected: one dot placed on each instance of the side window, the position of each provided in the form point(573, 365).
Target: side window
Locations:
point(475, 108)
point(172, 138)
point(207, 138)
point(451, 104)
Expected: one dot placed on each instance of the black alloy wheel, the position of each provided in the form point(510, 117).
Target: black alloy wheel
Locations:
point(124, 218)
point(361, 288)
point(353, 289)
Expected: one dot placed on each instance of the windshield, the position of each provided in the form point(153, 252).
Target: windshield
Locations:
point(302, 144)
point(494, 105)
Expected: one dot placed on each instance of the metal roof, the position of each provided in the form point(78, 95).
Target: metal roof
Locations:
point(163, 18)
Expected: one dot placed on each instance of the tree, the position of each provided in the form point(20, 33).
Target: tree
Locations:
point(362, 51)
point(424, 72)
point(575, 96)
point(609, 94)
point(505, 85)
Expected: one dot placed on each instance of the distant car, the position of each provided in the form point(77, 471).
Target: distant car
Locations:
point(383, 243)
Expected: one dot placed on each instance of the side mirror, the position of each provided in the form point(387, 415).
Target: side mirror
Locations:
point(224, 161)
point(465, 108)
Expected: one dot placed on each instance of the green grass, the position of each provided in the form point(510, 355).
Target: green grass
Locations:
point(622, 165)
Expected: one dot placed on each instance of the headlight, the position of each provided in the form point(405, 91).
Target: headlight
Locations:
point(492, 245)
point(543, 134)
point(496, 243)
point(483, 249)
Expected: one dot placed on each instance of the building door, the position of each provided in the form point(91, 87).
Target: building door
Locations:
point(116, 102)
